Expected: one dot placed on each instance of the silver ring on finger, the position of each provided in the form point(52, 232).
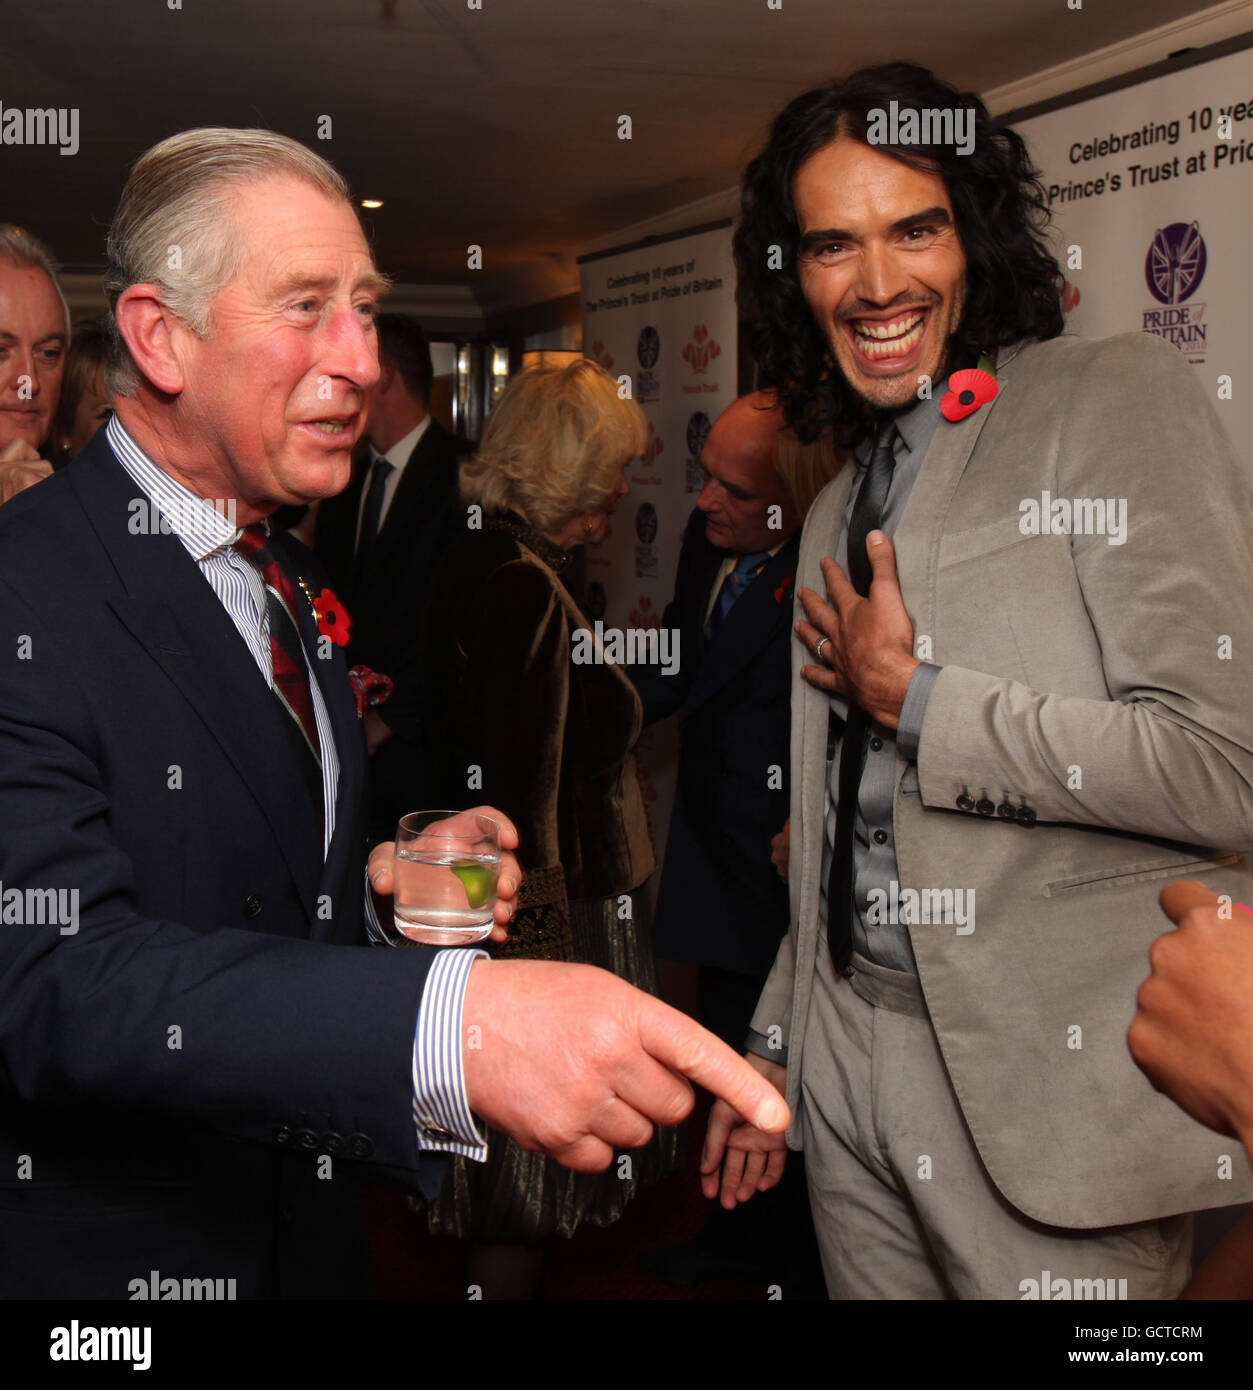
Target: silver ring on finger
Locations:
point(818, 645)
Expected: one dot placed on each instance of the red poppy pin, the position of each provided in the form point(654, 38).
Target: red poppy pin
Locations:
point(333, 621)
point(784, 589)
point(968, 390)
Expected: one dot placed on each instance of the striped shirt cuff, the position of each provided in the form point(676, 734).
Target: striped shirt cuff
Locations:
point(440, 1109)
point(373, 928)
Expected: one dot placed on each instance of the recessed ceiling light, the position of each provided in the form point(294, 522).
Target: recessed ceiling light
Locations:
point(371, 202)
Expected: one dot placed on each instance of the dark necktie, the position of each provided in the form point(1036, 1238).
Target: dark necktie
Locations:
point(747, 568)
point(867, 516)
point(287, 654)
point(379, 474)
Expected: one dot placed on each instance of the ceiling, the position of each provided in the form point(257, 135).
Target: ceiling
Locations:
point(494, 126)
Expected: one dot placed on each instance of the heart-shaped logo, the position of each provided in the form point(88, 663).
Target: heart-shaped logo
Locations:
point(967, 391)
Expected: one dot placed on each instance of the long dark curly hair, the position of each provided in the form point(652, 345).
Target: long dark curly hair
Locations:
point(1001, 212)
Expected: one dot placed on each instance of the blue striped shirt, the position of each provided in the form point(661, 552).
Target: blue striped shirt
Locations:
point(208, 532)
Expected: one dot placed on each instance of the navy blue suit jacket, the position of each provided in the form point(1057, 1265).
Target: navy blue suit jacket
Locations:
point(173, 1073)
point(721, 902)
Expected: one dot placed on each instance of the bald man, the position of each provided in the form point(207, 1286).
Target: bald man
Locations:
point(722, 906)
point(34, 337)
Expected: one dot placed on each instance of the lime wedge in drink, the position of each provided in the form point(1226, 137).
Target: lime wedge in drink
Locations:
point(478, 881)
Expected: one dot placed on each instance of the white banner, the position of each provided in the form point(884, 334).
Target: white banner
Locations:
point(1151, 189)
point(664, 316)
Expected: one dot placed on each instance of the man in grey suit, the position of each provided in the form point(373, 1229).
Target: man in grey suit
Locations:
point(1023, 690)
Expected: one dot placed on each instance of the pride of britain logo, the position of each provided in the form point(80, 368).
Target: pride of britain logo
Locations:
point(648, 350)
point(646, 523)
point(698, 427)
point(1175, 263)
point(1173, 270)
point(645, 534)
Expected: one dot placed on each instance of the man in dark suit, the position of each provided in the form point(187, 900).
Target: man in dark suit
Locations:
point(722, 905)
point(196, 1055)
point(381, 537)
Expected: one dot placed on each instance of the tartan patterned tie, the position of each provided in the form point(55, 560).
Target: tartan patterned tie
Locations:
point(287, 655)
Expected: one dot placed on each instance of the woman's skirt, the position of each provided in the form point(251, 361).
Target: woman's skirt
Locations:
point(520, 1198)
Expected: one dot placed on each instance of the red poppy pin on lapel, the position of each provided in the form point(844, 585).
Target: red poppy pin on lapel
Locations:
point(784, 589)
point(967, 391)
point(332, 616)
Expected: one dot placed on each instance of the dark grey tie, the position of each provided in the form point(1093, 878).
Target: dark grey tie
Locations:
point(867, 516)
point(379, 474)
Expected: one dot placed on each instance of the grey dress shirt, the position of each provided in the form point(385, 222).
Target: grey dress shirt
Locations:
point(874, 848)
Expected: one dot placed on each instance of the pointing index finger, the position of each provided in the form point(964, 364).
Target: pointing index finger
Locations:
point(681, 1044)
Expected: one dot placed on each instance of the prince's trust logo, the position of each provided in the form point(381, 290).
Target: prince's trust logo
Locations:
point(702, 350)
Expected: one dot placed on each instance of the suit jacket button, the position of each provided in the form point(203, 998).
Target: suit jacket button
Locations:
point(875, 744)
point(1026, 815)
point(965, 803)
point(253, 904)
point(306, 1138)
point(283, 1135)
point(360, 1145)
point(880, 837)
point(1005, 811)
point(984, 806)
point(332, 1143)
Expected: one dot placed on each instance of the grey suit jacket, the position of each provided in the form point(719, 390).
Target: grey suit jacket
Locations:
point(1107, 687)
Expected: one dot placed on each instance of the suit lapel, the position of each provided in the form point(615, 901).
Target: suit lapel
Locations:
point(331, 673)
point(921, 528)
point(811, 711)
point(174, 615)
point(698, 578)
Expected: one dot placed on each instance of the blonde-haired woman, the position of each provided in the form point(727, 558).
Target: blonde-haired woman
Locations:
point(509, 713)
